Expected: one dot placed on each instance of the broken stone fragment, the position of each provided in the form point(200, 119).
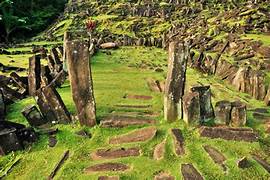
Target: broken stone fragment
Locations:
point(189, 172)
point(238, 114)
point(175, 82)
point(223, 112)
point(178, 141)
point(243, 163)
point(33, 116)
point(191, 108)
point(19, 81)
point(159, 150)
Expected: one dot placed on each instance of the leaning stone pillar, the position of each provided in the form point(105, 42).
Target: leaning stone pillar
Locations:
point(2, 106)
point(175, 82)
point(78, 58)
point(34, 78)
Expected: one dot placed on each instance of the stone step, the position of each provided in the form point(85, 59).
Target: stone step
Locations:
point(140, 135)
point(139, 97)
point(178, 141)
point(216, 156)
point(115, 153)
point(145, 114)
point(107, 167)
point(235, 134)
point(124, 121)
point(128, 106)
point(189, 172)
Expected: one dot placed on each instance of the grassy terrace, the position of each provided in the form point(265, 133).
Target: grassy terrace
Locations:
point(124, 72)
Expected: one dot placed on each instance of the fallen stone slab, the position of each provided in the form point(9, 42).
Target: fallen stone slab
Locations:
point(20, 83)
point(11, 95)
point(59, 165)
point(124, 121)
point(33, 116)
point(262, 162)
point(107, 167)
point(140, 135)
point(234, 134)
point(109, 45)
point(178, 141)
point(142, 97)
point(159, 151)
point(216, 156)
point(115, 153)
point(108, 178)
point(189, 172)
point(164, 176)
point(133, 106)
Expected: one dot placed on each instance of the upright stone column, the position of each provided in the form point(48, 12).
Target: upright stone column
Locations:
point(238, 114)
point(175, 82)
point(78, 58)
point(34, 78)
point(2, 106)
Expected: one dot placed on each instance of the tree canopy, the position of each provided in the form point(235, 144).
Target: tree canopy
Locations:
point(21, 19)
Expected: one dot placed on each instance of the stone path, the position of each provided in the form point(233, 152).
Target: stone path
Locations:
point(216, 156)
point(124, 121)
point(140, 135)
point(107, 167)
point(178, 141)
point(189, 172)
point(115, 153)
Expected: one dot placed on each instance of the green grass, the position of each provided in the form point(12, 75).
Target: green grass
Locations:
point(114, 76)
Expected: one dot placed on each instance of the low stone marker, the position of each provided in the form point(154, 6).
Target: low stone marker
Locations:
point(175, 82)
point(189, 172)
point(159, 150)
point(34, 72)
point(124, 121)
point(223, 112)
point(178, 141)
point(238, 114)
point(234, 134)
point(78, 58)
point(140, 135)
point(115, 153)
point(33, 116)
point(216, 156)
point(107, 167)
point(2, 106)
point(191, 108)
point(51, 105)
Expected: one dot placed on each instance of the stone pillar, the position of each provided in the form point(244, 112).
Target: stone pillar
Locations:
point(51, 105)
point(267, 97)
point(223, 112)
point(191, 108)
point(33, 116)
point(206, 108)
point(2, 106)
point(175, 82)
point(67, 37)
point(78, 59)
point(34, 78)
point(238, 114)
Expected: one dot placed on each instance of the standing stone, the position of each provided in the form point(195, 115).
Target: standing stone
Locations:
point(206, 108)
point(267, 97)
point(175, 83)
point(33, 116)
point(239, 114)
point(2, 106)
point(78, 59)
point(223, 112)
point(191, 108)
point(34, 78)
point(51, 105)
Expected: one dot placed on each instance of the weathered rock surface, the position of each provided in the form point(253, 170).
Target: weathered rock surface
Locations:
point(140, 135)
point(34, 72)
point(2, 106)
point(124, 121)
point(109, 45)
point(235, 134)
point(216, 156)
point(243, 163)
point(159, 150)
point(175, 82)
point(191, 108)
point(142, 97)
point(178, 141)
point(164, 176)
point(108, 178)
point(33, 116)
point(107, 167)
point(77, 54)
point(223, 112)
point(238, 114)
point(189, 172)
point(115, 153)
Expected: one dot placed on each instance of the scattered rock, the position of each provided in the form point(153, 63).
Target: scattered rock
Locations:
point(83, 133)
point(115, 153)
point(190, 173)
point(243, 163)
point(235, 134)
point(216, 156)
point(178, 141)
point(159, 150)
point(164, 176)
point(52, 141)
point(123, 121)
point(107, 167)
point(140, 135)
point(109, 45)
